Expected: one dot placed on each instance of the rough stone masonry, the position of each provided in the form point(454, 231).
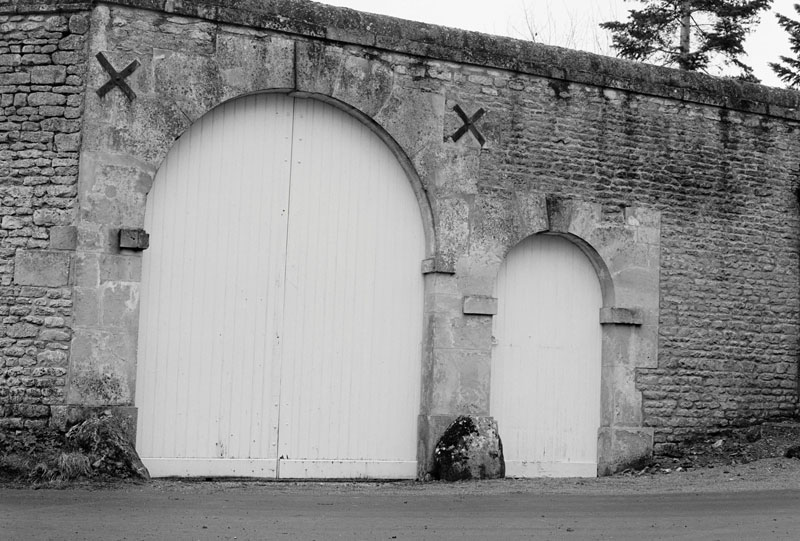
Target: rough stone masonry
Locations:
point(682, 188)
point(42, 69)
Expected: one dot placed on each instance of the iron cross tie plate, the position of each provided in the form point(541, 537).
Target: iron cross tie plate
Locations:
point(117, 77)
point(469, 124)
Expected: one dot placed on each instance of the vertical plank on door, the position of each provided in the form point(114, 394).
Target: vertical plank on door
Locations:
point(212, 293)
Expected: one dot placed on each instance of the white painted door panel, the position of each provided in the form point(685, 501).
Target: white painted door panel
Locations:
point(350, 385)
point(212, 289)
point(281, 312)
point(546, 364)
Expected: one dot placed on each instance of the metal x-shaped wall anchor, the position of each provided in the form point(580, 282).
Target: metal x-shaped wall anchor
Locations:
point(469, 124)
point(117, 77)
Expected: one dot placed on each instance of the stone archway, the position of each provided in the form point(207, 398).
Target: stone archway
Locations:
point(624, 253)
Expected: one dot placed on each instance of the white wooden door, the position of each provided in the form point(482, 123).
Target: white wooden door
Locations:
point(281, 309)
point(353, 324)
point(546, 362)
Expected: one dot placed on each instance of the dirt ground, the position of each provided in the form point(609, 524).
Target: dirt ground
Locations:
point(772, 474)
point(757, 500)
point(711, 489)
point(745, 459)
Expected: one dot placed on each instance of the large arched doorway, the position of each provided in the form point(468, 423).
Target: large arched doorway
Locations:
point(546, 361)
point(281, 309)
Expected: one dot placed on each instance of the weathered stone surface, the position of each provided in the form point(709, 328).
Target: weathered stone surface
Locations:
point(67, 142)
point(49, 75)
point(621, 448)
point(41, 268)
point(340, 74)
point(460, 381)
point(63, 237)
point(58, 417)
point(120, 268)
point(52, 217)
point(102, 367)
point(249, 65)
point(480, 305)
point(470, 448)
point(108, 441)
point(79, 23)
point(119, 305)
point(620, 316)
point(116, 194)
point(657, 175)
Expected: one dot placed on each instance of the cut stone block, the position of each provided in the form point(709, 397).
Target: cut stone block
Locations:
point(480, 305)
point(43, 268)
point(64, 237)
point(621, 316)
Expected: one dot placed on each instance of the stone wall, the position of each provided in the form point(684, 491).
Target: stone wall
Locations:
point(42, 66)
point(685, 187)
point(725, 183)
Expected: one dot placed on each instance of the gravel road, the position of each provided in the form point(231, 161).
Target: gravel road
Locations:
point(753, 501)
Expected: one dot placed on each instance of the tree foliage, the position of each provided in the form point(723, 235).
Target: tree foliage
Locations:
point(690, 34)
point(788, 69)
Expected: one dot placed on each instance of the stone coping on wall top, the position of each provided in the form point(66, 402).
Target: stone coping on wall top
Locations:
point(347, 26)
point(34, 6)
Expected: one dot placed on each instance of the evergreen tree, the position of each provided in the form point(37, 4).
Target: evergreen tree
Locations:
point(689, 34)
point(789, 68)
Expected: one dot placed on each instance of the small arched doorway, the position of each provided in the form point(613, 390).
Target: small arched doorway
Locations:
point(546, 361)
point(281, 311)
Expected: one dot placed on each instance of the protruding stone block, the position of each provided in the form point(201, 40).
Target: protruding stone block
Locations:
point(428, 266)
point(480, 305)
point(43, 268)
point(470, 448)
point(621, 316)
point(134, 239)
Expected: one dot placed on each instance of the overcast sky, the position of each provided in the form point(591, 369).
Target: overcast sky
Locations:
point(569, 23)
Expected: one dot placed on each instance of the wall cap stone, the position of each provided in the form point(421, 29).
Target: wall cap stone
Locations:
point(344, 25)
point(38, 6)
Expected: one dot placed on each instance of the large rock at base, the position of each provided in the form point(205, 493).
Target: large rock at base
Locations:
point(470, 448)
point(106, 440)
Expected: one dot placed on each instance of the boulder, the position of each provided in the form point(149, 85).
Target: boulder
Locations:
point(106, 440)
point(470, 448)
